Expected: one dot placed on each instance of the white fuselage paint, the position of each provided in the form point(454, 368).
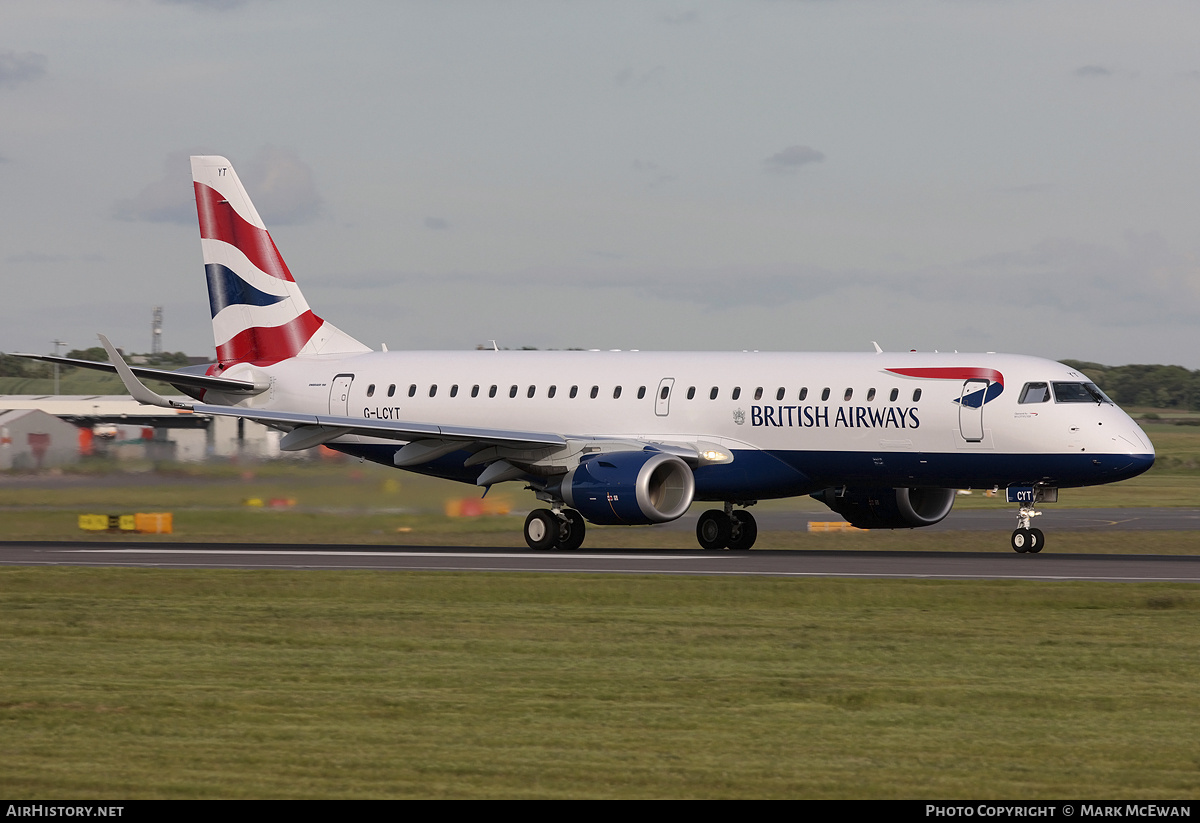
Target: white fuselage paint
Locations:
point(937, 427)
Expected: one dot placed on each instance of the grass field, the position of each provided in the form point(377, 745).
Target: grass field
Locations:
point(118, 683)
point(154, 683)
point(354, 502)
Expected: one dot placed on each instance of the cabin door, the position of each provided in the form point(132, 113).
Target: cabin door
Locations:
point(970, 410)
point(339, 395)
point(662, 400)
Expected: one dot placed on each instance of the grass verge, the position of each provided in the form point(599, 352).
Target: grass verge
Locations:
point(152, 683)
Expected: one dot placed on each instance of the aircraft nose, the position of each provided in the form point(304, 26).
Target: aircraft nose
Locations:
point(1137, 440)
point(1132, 451)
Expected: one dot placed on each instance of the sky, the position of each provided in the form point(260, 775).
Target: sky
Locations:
point(792, 175)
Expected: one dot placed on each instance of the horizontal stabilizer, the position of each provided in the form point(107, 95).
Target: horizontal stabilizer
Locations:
point(179, 379)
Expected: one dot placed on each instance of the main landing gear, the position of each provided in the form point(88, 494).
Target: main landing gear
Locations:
point(728, 529)
point(559, 529)
point(563, 529)
point(1026, 539)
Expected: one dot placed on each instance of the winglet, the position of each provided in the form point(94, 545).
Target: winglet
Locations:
point(134, 386)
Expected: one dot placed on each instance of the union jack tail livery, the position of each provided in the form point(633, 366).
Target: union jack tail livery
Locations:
point(258, 312)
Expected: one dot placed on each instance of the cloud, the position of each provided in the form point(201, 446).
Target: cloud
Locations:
point(1093, 71)
point(280, 185)
point(169, 199)
point(206, 5)
point(792, 158)
point(658, 175)
point(682, 19)
point(1139, 279)
point(627, 78)
point(16, 69)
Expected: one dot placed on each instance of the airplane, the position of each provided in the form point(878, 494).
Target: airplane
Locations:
point(627, 437)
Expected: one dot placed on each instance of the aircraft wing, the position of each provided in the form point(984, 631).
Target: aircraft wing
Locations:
point(505, 451)
point(308, 430)
point(175, 378)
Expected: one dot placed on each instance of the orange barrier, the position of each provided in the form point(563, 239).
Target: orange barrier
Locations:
point(831, 526)
point(476, 506)
point(153, 523)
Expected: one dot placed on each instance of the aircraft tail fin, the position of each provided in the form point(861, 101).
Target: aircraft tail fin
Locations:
point(259, 314)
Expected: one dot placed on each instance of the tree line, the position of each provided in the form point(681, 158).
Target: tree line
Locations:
point(20, 367)
point(1154, 386)
point(1159, 387)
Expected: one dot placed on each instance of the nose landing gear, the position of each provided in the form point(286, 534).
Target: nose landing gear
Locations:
point(1026, 539)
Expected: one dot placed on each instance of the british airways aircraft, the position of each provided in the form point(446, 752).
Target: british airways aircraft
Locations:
point(884, 439)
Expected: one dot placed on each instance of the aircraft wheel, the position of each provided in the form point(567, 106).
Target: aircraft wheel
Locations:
point(745, 530)
point(571, 531)
point(1021, 539)
point(1036, 541)
point(541, 529)
point(714, 529)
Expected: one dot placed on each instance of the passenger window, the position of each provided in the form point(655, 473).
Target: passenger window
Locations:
point(454, 390)
point(616, 392)
point(691, 392)
point(412, 390)
point(512, 392)
point(531, 392)
point(804, 393)
point(712, 395)
point(849, 394)
point(392, 390)
point(916, 395)
point(779, 394)
point(1034, 393)
point(550, 392)
point(870, 395)
point(895, 393)
point(475, 390)
point(641, 392)
point(737, 392)
point(595, 392)
point(825, 393)
point(371, 390)
point(574, 391)
point(433, 390)
point(492, 391)
point(666, 391)
point(758, 393)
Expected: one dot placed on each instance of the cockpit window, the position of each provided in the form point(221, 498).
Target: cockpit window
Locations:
point(1079, 393)
point(1035, 393)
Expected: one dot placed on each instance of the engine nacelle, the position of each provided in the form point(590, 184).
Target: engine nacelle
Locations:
point(889, 508)
point(630, 488)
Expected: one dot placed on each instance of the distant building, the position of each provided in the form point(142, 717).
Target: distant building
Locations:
point(32, 439)
point(121, 427)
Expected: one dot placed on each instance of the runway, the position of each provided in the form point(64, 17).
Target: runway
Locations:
point(992, 565)
point(1001, 521)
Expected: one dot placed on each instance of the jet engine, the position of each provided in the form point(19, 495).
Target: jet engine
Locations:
point(889, 508)
point(630, 488)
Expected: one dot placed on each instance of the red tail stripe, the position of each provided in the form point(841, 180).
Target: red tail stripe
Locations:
point(265, 345)
point(953, 373)
point(218, 221)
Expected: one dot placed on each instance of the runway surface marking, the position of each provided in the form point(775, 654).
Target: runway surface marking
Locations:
point(843, 574)
point(277, 552)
